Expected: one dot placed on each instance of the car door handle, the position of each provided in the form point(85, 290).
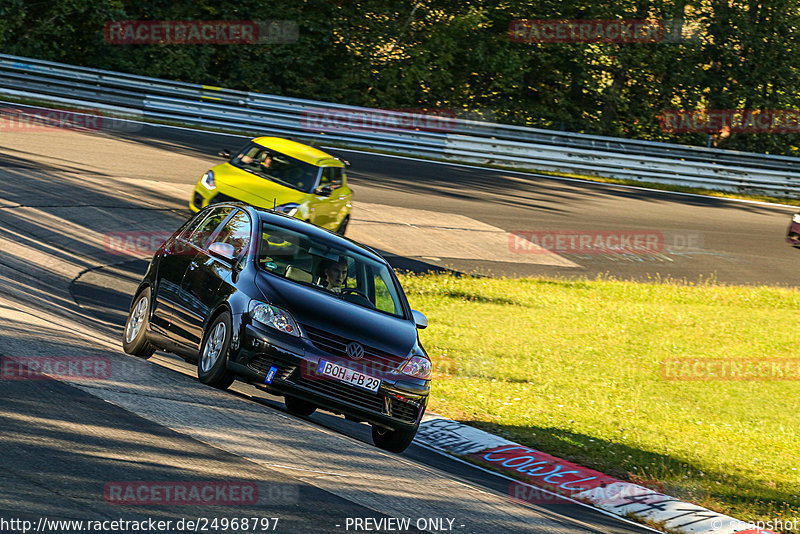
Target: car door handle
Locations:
point(341, 197)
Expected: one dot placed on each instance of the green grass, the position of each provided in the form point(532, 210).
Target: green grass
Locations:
point(573, 368)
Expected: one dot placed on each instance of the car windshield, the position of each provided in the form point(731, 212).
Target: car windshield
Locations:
point(340, 273)
point(277, 167)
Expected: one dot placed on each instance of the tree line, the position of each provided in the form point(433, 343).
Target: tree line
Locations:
point(460, 55)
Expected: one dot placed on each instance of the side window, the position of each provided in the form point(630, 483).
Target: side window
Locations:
point(331, 176)
point(237, 233)
point(383, 297)
point(281, 249)
point(201, 234)
point(190, 226)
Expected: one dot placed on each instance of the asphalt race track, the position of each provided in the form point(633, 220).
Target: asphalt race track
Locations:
point(700, 237)
point(64, 292)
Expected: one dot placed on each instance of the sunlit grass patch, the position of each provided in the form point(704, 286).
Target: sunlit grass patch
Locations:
point(576, 369)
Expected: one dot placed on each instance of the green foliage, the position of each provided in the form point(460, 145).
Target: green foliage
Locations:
point(458, 55)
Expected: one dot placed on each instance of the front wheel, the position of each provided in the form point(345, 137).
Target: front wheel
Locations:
point(134, 339)
point(392, 440)
point(212, 367)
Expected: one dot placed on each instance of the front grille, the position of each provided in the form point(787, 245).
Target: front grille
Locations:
point(403, 411)
point(262, 364)
point(341, 391)
point(378, 361)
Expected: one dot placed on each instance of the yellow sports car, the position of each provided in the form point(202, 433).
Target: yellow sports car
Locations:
point(284, 175)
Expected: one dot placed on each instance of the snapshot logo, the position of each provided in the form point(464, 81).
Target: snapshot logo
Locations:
point(585, 242)
point(181, 493)
point(53, 367)
point(182, 32)
point(713, 121)
point(376, 120)
point(709, 369)
point(587, 31)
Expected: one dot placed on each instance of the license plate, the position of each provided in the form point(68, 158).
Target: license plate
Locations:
point(350, 376)
point(270, 374)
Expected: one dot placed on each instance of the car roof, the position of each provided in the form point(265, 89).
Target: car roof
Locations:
point(305, 153)
point(292, 223)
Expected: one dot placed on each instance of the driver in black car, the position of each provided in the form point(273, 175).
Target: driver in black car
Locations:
point(334, 274)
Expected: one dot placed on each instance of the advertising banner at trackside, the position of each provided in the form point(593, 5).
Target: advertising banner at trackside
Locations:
point(542, 478)
point(553, 473)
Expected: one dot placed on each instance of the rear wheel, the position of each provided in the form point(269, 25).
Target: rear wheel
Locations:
point(298, 406)
point(343, 225)
point(134, 339)
point(392, 440)
point(212, 366)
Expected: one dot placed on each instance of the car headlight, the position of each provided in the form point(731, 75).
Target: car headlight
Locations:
point(208, 180)
point(418, 366)
point(796, 218)
point(273, 317)
point(289, 209)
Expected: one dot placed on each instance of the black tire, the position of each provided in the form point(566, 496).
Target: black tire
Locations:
point(134, 337)
point(212, 364)
point(392, 440)
point(343, 225)
point(298, 406)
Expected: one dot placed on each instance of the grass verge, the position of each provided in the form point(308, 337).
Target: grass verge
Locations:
point(576, 369)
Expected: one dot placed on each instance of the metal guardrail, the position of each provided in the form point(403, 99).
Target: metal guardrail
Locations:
point(464, 140)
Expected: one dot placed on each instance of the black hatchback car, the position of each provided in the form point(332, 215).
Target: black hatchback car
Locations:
point(253, 294)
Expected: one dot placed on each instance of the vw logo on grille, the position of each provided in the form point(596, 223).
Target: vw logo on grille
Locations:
point(355, 350)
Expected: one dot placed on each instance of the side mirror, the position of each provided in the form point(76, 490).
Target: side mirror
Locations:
point(223, 250)
point(225, 153)
point(420, 320)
